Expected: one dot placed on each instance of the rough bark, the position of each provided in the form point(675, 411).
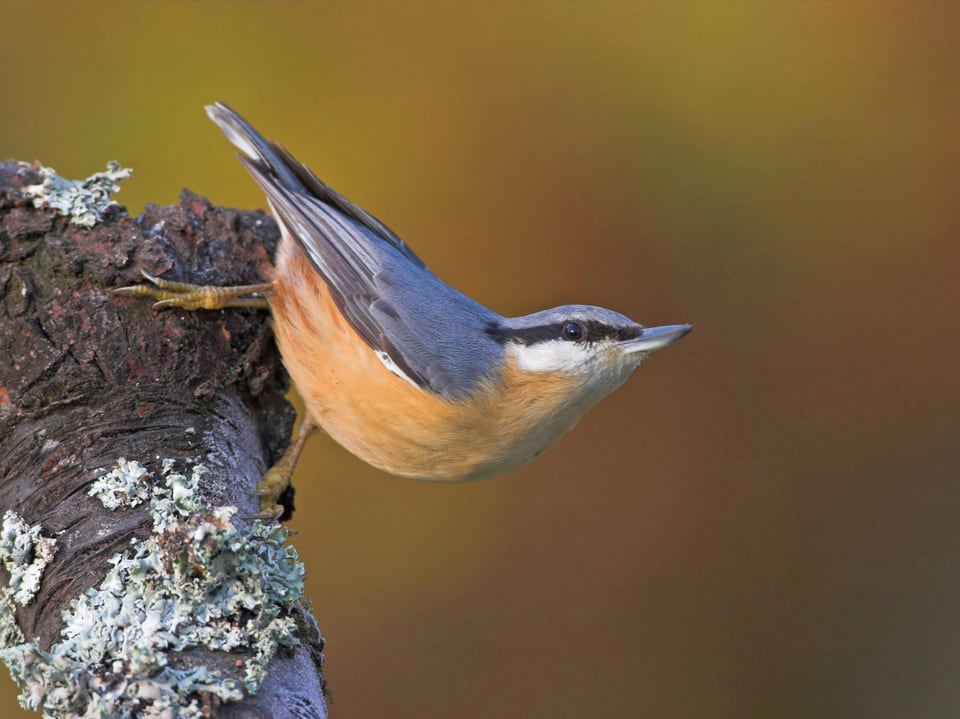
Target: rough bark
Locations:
point(87, 377)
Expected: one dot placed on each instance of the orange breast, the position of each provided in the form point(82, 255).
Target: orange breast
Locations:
point(390, 423)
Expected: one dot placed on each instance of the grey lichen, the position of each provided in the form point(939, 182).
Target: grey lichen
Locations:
point(83, 201)
point(123, 486)
point(197, 582)
point(25, 553)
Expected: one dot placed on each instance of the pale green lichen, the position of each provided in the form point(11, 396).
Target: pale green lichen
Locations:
point(25, 553)
point(197, 582)
point(83, 201)
point(123, 486)
point(10, 634)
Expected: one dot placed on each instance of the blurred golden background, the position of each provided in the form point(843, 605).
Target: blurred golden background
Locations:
point(763, 521)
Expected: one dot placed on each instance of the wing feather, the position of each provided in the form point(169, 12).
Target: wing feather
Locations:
point(420, 327)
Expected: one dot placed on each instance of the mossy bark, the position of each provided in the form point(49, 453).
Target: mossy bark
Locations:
point(87, 377)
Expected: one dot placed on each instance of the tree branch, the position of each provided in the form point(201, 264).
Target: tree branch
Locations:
point(129, 589)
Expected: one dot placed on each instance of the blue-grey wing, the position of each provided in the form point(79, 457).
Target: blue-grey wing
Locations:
point(422, 329)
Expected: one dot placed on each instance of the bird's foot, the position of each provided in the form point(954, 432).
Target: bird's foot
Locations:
point(276, 481)
point(198, 297)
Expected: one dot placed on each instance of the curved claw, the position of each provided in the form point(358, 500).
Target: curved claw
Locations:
point(271, 516)
point(274, 482)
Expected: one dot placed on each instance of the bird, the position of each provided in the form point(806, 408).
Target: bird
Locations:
point(401, 369)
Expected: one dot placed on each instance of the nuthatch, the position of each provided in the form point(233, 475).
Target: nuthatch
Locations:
point(404, 371)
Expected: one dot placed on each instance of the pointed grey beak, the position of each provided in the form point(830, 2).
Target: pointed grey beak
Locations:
point(654, 338)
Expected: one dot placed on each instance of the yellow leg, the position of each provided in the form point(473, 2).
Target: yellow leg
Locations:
point(199, 297)
point(276, 479)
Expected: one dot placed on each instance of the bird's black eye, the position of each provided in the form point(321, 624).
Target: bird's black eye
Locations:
point(572, 331)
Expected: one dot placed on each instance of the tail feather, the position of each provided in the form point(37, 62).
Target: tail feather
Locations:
point(252, 144)
point(271, 159)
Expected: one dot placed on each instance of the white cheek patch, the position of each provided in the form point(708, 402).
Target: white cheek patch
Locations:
point(553, 356)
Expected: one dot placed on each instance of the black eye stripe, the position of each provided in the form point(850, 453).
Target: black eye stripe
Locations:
point(593, 331)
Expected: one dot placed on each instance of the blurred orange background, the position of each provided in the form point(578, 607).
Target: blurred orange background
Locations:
point(763, 521)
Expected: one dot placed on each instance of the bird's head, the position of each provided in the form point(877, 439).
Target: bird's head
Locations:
point(593, 348)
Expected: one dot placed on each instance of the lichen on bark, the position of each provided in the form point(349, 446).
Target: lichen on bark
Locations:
point(87, 377)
